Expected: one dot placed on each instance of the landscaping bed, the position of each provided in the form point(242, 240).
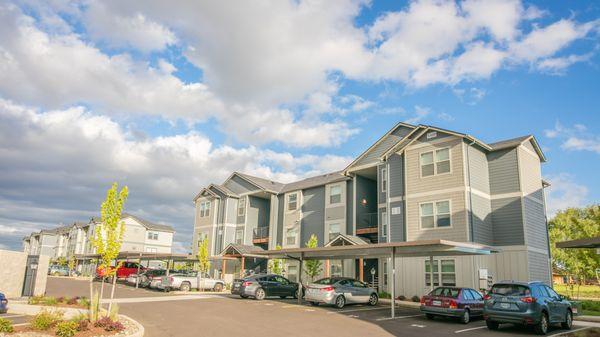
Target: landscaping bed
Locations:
point(65, 302)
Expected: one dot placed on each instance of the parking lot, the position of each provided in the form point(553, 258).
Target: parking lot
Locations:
point(226, 315)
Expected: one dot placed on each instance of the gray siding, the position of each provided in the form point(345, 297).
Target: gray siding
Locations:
point(478, 169)
point(397, 223)
point(279, 225)
point(396, 174)
point(239, 185)
point(335, 213)
point(372, 156)
point(349, 207)
point(381, 195)
point(240, 219)
point(482, 220)
point(313, 210)
point(535, 224)
point(507, 222)
point(380, 237)
point(539, 267)
point(504, 171)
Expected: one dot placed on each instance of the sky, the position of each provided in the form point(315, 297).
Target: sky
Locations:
point(169, 96)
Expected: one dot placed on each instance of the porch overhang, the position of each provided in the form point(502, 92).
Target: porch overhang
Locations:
point(580, 243)
point(238, 251)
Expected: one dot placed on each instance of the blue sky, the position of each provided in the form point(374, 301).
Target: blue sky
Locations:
point(167, 99)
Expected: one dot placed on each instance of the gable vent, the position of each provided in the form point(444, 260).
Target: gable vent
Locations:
point(431, 134)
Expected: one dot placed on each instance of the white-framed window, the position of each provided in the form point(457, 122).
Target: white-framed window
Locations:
point(152, 236)
point(291, 235)
point(150, 250)
point(384, 179)
point(442, 269)
point(385, 273)
point(334, 230)
point(204, 208)
point(336, 268)
point(435, 162)
point(242, 206)
point(239, 236)
point(292, 273)
point(335, 194)
point(292, 201)
point(435, 214)
point(384, 223)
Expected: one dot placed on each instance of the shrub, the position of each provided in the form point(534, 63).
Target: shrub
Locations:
point(416, 298)
point(384, 294)
point(83, 325)
point(73, 300)
point(5, 325)
point(402, 298)
point(109, 325)
point(102, 322)
point(114, 312)
point(45, 320)
point(49, 301)
point(60, 299)
point(66, 329)
point(84, 302)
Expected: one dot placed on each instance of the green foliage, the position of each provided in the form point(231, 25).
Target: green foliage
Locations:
point(312, 267)
point(384, 294)
point(45, 319)
point(109, 233)
point(114, 312)
point(203, 256)
point(276, 265)
point(71, 263)
point(416, 298)
point(59, 261)
point(6, 325)
point(584, 291)
point(66, 328)
point(84, 302)
point(43, 300)
point(572, 224)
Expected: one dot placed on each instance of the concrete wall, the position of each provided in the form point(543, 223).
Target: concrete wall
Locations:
point(12, 273)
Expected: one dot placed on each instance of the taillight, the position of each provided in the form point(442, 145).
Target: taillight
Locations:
point(423, 300)
point(330, 288)
point(453, 304)
point(170, 280)
point(487, 297)
point(247, 283)
point(528, 299)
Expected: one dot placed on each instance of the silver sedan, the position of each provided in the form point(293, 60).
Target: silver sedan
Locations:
point(338, 291)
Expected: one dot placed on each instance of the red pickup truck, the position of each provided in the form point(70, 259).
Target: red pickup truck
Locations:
point(126, 269)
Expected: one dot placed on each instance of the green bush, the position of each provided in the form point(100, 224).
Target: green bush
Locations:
point(36, 300)
point(590, 305)
point(6, 325)
point(416, 298)
point(84, 302)
point(66, 329)
point(46, 320)
point(384, 294)
point(402, 298)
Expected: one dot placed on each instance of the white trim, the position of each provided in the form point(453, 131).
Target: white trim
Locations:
point(435, 214)
point(296, 239)
point(328, 195)
point(365, 166)
point(434, 153)
point(384, 173)
point(327, 225)
point(435, 192)
point(396, 199)
point(430, 143)
point(523, 147)
point(537, 250)
point(519, 170)
point(245, 198)
point(384, 234)
point(439, 272)
point(354, 205)
point(287, 201)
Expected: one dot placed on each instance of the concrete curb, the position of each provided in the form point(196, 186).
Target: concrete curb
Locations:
point(140, 328)
point(407, 304)
point(586, 318)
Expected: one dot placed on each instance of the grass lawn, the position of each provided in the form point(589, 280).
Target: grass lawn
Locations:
point(584, 291)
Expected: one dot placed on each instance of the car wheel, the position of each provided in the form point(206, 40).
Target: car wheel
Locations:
point(260, 294)
point(373, 299)
point(218, 287)
point(340, 302)
point(185, 286)
point(430, 316)
point(568, 323)
point(314, 304)
point(542, 327)
point(296, 294)
point(492, 325)
point(466, 317)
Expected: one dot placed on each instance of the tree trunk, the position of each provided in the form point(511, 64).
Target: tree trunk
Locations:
point(101, 293)
point(112, 293)
point(91, 288)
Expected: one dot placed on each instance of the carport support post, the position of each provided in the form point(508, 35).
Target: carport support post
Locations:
point(431, 271)
point(393, 283)
point(300, 279)
point(223, 265)
point(243, 265)
point(361, 272)
point(137, 279)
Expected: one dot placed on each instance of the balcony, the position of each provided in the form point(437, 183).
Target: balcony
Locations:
point(367, 223)
point(260, 235)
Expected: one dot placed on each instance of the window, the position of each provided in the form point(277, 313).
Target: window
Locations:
point(435, 214)
point(292, 201)
point(242, 206)
point(442, 269)
point(435, 162)
point(385, 273)
point(239, 236)
point(383, 179)
point(150, 250)
point(204, 208)
point(292, 273)
point(335, 194)
point(290, 236)
point(335, 268)
point(384, 223)
point(152, 236)
point(334, 230)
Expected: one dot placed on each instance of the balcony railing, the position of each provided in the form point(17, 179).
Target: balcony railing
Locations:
point(260, 235)
point(367, 223)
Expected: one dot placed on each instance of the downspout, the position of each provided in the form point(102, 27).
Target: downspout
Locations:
point(471, 230)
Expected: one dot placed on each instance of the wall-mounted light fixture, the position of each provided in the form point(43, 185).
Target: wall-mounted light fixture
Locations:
point(363, 202)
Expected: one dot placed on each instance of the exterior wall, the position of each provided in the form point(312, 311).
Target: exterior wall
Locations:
point(239, 185)
point(504, 171)
point(47, 245)
point(507, 219)
point(372, 156)
point(162, 245)
point(365, 189)
point(539, 267)
point(134, 236)
point(481, 217)
point(313, 210)
point(397, 227)
point(292, 219)
point(12, 273)
point(458, 231)
point(350, 207)
point(258, 214)
point(335, 213)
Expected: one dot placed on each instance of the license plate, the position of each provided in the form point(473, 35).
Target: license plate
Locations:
point(236, 286)
point(437, 303)
point(574, 311)
point(505, 305)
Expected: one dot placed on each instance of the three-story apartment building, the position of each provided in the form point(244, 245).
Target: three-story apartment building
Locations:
point(415, 183)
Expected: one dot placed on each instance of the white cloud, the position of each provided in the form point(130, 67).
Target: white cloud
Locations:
point(564, 192)
point(576, 138)
point(558, 65)
point(419, 114)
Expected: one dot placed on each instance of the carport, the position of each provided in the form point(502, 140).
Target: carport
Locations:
point(425, 248)
point(242, 252)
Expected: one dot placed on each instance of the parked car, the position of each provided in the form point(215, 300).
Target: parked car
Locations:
point(262, 285)
point(191, 280)
point(462, 303)
point(126, 269)
point(339, 291)
point(3, 304)
point(147, 276)
point(532, 303)
point(56, 270)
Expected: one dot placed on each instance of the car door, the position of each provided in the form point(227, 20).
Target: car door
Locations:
point(286, 287)
point(477, 301)
point(269, 285)
point(558, 311)
point(359, 291)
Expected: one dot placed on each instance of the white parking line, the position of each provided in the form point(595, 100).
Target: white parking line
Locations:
point(470, 329)
point(570, 331)
point(11, 316)
point(309, 310)
point(397, 317)
point(353, 310)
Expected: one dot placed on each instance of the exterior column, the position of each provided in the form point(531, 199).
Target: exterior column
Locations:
point(361, 267)
point(300, 279)
point(223, 265)
point(393, 285)
point(242, 266)
point(327, 268)
point(431, 271)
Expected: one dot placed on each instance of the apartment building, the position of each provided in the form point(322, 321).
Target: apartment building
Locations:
point(415, 183)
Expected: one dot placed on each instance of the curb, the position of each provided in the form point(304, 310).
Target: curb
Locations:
point(401, 303)
point(586, 318)
point(140, 332)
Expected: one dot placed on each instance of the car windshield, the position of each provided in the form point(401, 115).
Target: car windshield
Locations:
point(445, 292)
point(326, 281)
point(510, 290)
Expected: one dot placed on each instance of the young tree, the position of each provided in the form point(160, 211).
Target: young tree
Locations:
point(71, 263)
point(276, 265)
point(312, 267)
point(203, 257)
point(61, 261)
point(109, 234)
point(572, 224)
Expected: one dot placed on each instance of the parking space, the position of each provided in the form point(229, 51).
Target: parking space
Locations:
point(16, 319)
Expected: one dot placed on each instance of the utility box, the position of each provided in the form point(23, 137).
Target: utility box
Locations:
point(485, 279)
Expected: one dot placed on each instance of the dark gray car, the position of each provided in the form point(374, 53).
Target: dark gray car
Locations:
point(263, 285)
point(532, 303)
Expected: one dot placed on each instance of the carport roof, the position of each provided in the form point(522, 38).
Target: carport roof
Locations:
point(141, 256)
point(580, 243)
point(401, 249)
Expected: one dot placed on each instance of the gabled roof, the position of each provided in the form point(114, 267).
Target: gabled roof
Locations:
point(265, 184)
point(514, 142)
point(344, 240)
point(207, 190)
point(223, 190)
point(241, 250)
point(148, 224)
point(320, 180)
